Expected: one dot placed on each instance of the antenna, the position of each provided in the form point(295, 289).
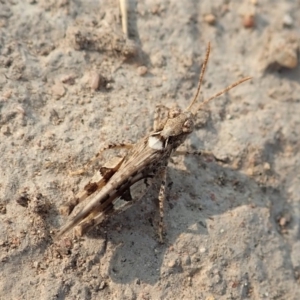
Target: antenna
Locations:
point(223, 91)
point(201, 77)
point(200, 83)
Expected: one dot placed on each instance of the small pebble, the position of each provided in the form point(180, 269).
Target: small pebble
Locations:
point(172, 263)
point(210, 19)
point(158, 60)
point(287, 20)
point(2, 209)
point(4, 259)
point(287, 58)
point(249, 21)
point(58, 90)
point(250, 171)
point(186, 260)
point(94, 81)
point(102, 285)
point(142, 70)
point(5, 130)
point(20, 109)
point(68, 79)
point(155, 10)
point(108, 86)
point(131, 49)
point(283, 222)
point(7, 94)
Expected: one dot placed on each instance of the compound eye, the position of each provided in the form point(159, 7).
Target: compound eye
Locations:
point(188, 126)
point(174, 112)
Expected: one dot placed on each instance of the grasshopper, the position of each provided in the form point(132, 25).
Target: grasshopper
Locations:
point(148, 158)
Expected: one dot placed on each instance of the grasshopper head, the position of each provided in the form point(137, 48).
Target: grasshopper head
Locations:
point(178, 122)
point(181, 123)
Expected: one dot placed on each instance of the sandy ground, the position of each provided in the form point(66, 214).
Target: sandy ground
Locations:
point(71, 84)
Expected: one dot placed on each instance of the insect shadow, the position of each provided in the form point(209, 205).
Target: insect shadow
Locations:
point(204, 190)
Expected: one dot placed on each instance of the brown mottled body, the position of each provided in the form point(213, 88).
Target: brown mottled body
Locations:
point(140, 163)
point(147, 158)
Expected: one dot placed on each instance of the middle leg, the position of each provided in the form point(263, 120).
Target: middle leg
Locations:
point(161, 202)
